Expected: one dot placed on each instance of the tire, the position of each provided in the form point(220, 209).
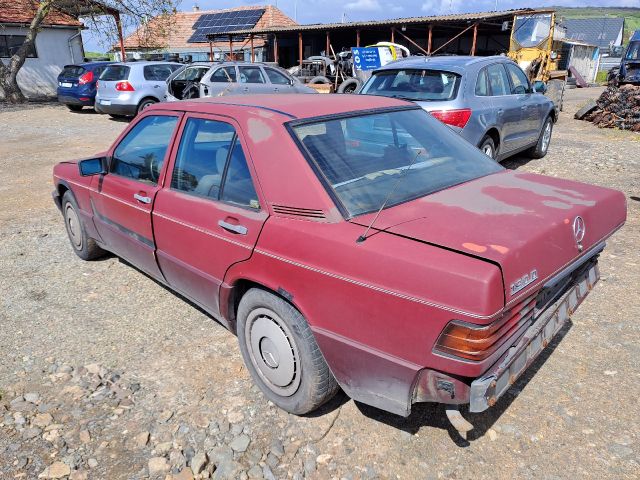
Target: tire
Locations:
point(319, 79)
point(541, 148)
point(281, 353)
point(350, 85)
point(488, 147)
point(84, 246)
point(74, 108)
point(146, 102)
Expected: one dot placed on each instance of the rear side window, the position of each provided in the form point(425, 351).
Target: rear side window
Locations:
point(519, 81)
point(115, 72)
point(238, 187)
point(72, 71)
point(141, 153)
point(158, 73)
point(498, 80)
point(413, 84)
point(251, 75)
point(482, 85)
point(224, 75)
point(277, 77)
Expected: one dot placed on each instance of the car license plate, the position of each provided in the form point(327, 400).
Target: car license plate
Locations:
point(66, 84)
point(105, 102)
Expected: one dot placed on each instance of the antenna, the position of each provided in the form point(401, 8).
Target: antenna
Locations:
point(363, 237)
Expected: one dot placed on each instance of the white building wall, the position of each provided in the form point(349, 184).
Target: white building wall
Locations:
point(38, 77)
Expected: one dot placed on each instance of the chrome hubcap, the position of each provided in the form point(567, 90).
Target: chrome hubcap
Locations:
point(546, 137)
point(73, 227)
point(488, 151)
point(273, 352)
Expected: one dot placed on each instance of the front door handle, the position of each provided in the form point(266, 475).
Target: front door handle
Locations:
point(142, 198)
point(230, 227)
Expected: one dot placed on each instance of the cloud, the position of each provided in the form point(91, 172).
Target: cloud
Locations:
point(364, 6)
point(444, 7)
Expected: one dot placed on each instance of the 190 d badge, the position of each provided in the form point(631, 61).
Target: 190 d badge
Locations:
point(523, 281)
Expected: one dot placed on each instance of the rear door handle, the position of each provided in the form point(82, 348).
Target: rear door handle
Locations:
point(142, 198)
point(230, 227)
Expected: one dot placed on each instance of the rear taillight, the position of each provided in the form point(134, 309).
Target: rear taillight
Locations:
point(475, 342)
point(124, 87)
point(86, 78)
point(457, 118)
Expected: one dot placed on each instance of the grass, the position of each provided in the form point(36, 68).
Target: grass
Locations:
point(91, 55)
point(631, 16)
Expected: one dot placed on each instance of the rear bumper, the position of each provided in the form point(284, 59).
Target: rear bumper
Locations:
point(71, 100)
point(486, 390)
point(117, 109)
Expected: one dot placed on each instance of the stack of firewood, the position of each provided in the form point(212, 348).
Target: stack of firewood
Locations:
point(617, 107)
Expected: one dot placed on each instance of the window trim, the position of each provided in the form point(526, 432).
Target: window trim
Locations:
point(167, 156)
point(236, 135)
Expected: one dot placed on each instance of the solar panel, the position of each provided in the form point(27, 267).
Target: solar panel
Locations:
point(210, 23)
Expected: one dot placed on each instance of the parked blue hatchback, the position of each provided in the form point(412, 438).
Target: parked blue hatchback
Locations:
point(77, 84)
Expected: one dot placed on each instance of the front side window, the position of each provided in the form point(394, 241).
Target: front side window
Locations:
point(412, 84)
point(141, 153)
point(362, 157)
point(211, 163)
point(251, 75)
point(519, 81)
point(277, 77)
point(224, 75)
point(498, 80)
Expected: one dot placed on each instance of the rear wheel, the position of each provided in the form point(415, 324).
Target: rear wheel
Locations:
point(488, 147)
point(74, 108)
point(84, 246)
point(540, 149)
point(146, 103)
point(281, 353)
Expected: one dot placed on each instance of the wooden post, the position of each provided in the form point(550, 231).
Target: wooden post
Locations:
point(253, 56)
point(300, 48)
point(357, 37)
point(393, 34)
point(123, 54)
point(475, 38)
point(275, 48)
point(326, 51)
point(210, 51)
point(231, 47)
point(430, 39)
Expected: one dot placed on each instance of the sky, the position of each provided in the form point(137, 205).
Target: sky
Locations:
point(324, 11)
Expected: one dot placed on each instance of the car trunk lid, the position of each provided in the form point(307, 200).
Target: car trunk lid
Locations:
point(111, 76)
point(520, 221)
point(68, 77)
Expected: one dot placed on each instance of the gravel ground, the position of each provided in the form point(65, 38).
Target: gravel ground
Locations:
point(105, 374)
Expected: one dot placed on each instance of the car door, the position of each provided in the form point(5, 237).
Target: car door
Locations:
point(122, 200)
point(222, 81)
point(253, 80)
point(531, 116)
point(280, 83)
point(508, 111)
point(209, 214)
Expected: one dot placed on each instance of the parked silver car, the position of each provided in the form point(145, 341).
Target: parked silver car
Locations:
point(125, 89)
point(212, 79)
point(488, 100)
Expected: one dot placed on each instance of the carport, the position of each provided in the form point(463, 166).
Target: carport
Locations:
point(484, 33)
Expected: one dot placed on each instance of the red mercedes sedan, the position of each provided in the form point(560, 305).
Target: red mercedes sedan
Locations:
point(349, 241)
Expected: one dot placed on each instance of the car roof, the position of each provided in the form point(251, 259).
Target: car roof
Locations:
point(292, 106)
point(445, 62)
point(148, 62)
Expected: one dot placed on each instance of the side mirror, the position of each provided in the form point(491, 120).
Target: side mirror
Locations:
point(92, 166)
point(539, 87)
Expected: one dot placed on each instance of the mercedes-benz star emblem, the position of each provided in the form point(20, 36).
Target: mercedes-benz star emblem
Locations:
point(578, 231)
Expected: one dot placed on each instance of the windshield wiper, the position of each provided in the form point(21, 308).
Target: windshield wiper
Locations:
point(363, 237)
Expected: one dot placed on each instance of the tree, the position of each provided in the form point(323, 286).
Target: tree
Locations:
point(134, 16)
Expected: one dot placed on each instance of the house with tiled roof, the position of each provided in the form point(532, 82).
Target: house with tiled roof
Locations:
point(57, 44)
point(184, 33)
point(604, 32)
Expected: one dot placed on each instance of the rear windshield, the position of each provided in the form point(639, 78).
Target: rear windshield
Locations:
point(115, 72)
point(414, 84)
point(72, 71)
point(399, 155)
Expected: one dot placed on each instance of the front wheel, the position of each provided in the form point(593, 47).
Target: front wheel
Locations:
point(84, 246)
point(281, 353)
point(540, 149)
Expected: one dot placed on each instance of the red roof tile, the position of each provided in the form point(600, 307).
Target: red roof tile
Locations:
point(23, 11)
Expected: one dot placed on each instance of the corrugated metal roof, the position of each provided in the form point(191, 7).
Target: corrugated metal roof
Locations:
point(454, 18)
